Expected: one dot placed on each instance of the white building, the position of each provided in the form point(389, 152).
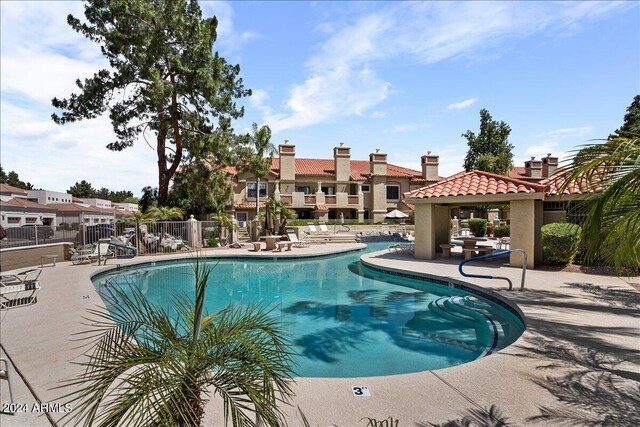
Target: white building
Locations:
point(99, 203)
point(45, 197)
point(128, 207)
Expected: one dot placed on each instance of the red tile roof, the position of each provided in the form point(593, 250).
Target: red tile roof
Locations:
point(410, 206)
point(554, 182)
point(10, 189)
point(77, 208)
point(519, 172)
point(26, 205)
point(360, 169)
point(248, 205)
point(474, 183)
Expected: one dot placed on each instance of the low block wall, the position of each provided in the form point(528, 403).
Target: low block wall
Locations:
point(29, 256)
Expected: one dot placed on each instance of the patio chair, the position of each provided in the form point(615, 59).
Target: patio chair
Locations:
point(28, 276)
point(312, 229)
point(18, 294)
point(324, 229)
point(304, 243)
point(101, 250)
point(504, 243)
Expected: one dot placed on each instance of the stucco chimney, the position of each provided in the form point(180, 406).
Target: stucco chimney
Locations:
point(342, 162)
point(287, 155)
point(533, 168)
point(430, 166)
point(549, 165)
point(378, 163)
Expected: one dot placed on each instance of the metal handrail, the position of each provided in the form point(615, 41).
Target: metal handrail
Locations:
point(494, 255)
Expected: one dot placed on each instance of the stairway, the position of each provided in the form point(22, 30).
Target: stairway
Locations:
point(243, 235)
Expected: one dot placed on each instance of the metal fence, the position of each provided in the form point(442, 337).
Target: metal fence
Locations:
point(30, 235)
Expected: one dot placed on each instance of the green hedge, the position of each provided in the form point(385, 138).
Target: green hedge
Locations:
point(464, 223)
point(560, 242)
point(502, 231)
point(478, 227)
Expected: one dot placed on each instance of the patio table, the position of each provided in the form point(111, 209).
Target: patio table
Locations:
point(270, 242)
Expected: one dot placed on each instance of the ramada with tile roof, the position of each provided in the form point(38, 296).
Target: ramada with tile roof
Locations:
point(532, 203)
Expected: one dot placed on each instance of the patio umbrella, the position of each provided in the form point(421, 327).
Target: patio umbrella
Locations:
point(268, 219)
point(396, 214)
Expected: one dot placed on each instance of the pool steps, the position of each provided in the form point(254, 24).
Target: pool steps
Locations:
point(471, 311)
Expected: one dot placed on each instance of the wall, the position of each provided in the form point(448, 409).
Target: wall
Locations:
point(29, 256)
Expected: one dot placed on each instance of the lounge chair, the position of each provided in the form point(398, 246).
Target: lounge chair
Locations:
point(17, 290)
point(324, 229)
point(304, 243)
point(28, 276)
point(403, 248)
point(312, 229)
point(99, 251)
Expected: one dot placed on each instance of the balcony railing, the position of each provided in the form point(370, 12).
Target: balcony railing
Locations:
point(353, 200)
point(330, 200)
point(286, 198)
point(309, 200)
point(301, 200)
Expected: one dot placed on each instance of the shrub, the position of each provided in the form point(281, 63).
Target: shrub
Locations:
point(560, 242)
point(212, 242)
point(478, 226)
point(502, 231)
point(464, 223)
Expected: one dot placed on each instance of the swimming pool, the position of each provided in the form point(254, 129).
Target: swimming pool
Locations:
point(346, 320)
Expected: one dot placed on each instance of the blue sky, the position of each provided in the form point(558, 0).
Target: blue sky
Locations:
point(403, 77)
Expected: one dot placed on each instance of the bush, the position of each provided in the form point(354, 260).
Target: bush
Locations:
point(502, 231)
point(212, 242)
point(464, 223)
point(560, 242)
point(478, 227)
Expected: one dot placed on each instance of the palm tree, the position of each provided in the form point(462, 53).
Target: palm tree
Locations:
point(147, 367)
point(164, 213)
point(282, 211)
point(225, 221)
point(611, 172)
point(263, 151)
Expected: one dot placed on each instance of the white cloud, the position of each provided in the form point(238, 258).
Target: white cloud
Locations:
point(558, 142)
point(229, 39)
point(462, 104)
point(343, 79)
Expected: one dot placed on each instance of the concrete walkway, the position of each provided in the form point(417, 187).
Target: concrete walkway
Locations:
point(579, 357)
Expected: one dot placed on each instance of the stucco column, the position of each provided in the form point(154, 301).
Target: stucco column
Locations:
point(526, 221)
point(432, 229)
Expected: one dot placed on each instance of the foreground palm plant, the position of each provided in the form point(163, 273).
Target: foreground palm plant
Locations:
point(148, 367)
point(611, 230)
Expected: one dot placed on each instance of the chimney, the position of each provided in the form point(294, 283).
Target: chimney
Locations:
point(430, 166)
point(533, 168)
point(378, 163)
point(342, 162)
point(287, 155)
point(549, 165)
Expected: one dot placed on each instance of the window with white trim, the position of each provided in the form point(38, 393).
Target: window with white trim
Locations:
point(393, 192)
point(251, 190)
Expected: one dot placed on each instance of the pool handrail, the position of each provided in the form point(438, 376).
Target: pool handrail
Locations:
point(494, 255)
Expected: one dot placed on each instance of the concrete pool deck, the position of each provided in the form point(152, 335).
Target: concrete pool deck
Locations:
point(578, 358)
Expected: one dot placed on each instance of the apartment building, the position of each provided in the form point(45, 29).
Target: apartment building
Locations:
point(329, 189)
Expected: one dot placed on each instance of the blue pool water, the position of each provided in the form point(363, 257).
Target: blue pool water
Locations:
point(345, 320)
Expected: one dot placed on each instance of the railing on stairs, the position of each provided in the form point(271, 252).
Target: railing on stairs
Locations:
point(495, 255)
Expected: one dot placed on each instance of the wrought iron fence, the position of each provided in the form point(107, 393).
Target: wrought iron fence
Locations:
point(30, 235)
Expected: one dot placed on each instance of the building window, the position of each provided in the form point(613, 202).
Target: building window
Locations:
point(393, 192)
point(13, 220)
point(305, 190)
point(251, 190)
point(30, 220)
point(366, 188)
point(329, 191)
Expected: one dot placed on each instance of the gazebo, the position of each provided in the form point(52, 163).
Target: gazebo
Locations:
point(433, 204)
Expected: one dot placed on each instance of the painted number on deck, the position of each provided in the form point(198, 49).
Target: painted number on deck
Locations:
point(360, 391)
point(86, 297)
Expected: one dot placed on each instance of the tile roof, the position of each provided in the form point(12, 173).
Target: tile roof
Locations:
point(409, 206)
point(360, 169)
point(248, 205)
point(519, 172)
point(6, 188)
point(554, 182)
point(474, 183)
point(26, 205)
point(78, 208)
